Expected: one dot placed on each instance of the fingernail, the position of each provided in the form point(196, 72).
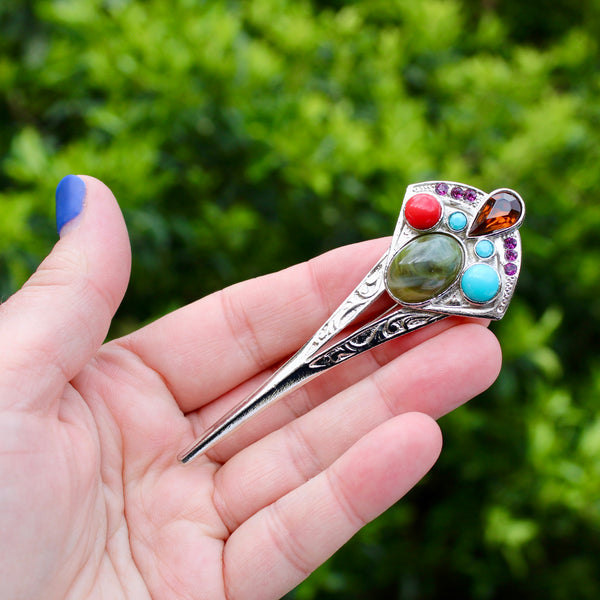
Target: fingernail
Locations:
point(70, 193)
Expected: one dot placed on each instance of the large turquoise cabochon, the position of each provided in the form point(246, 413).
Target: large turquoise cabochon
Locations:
point(424, 268)
point(480, 283)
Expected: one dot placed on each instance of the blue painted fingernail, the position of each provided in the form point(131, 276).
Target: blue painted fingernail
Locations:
point(70, 193)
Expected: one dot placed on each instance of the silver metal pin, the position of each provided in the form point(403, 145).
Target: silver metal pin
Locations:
point(479, 233)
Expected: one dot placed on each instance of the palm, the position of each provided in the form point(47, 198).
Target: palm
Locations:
point(99, 507)
point(153, 521)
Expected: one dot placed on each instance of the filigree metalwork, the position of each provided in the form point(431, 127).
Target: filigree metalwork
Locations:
point(387, 328)
point(369, 289)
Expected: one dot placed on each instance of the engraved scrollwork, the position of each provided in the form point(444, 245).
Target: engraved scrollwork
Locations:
point(370, 287)
point(372, 335)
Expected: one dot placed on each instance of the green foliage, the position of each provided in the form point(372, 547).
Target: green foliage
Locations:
point(243, 136)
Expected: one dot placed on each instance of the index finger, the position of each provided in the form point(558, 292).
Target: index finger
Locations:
point(205, 349)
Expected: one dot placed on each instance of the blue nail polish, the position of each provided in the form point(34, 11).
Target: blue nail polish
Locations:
point(70, 194)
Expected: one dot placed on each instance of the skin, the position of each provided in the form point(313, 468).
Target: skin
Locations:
point(93, 503)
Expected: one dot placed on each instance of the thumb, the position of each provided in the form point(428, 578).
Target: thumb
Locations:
point(52, 327)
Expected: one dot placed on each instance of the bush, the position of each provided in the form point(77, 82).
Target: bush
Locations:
point(241, 137)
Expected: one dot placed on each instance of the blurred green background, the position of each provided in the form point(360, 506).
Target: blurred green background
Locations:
point(243, 136)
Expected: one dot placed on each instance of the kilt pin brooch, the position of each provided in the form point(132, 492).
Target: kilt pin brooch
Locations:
point(455, 251)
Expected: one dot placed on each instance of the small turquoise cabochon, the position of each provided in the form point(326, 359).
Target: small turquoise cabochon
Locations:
point(70, 194)
point(484, 248)
point(457, 221)
point(480, 283)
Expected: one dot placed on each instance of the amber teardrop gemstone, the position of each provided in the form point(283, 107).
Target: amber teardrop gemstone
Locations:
point(424, 268)
point(499, 212)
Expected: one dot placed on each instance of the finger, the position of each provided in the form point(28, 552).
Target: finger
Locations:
point(279, 546)
point(306, 397)
point(206, 348)
point(57, 321)
point(433, 378)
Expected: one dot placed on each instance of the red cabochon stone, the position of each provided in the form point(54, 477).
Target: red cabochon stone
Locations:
point(422, 211)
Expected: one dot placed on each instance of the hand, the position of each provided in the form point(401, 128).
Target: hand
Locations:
point(93, 503)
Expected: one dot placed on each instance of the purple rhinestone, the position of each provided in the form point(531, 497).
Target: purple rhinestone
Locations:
point(510, 268)
point(457, 192)
point(441, 189)
point(511, 255)
point(471, 195)
point(510, 243)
